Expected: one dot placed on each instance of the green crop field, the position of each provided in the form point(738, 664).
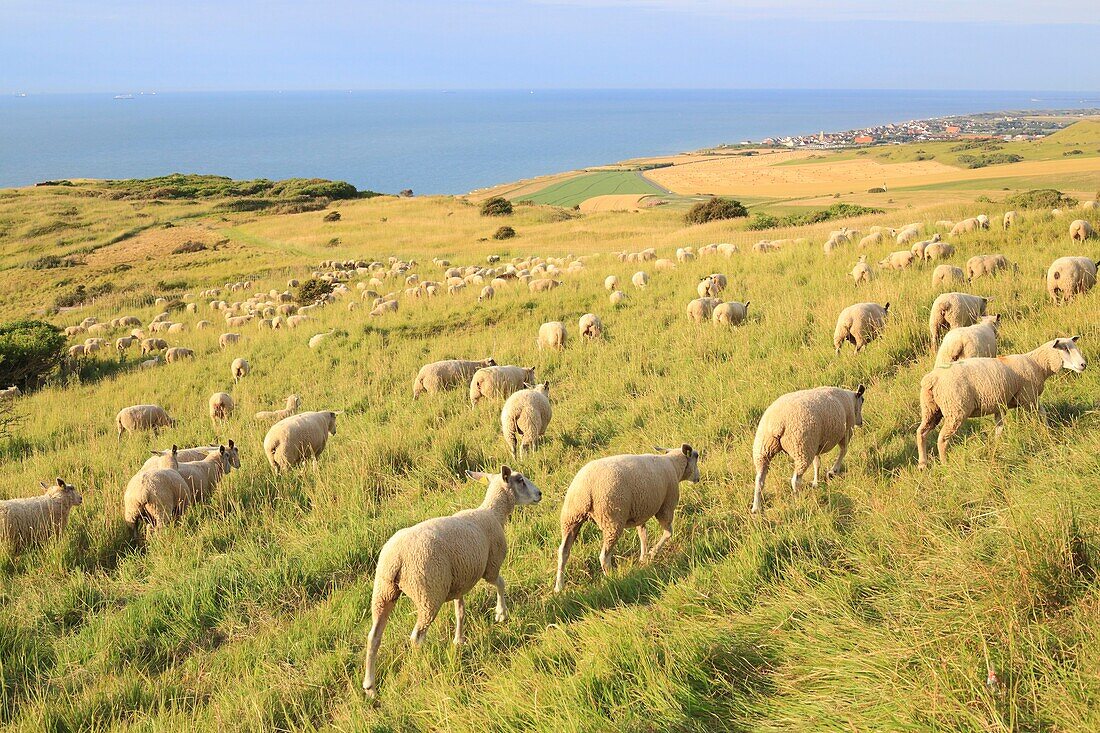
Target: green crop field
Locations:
point(575, 190)
point(878, 601)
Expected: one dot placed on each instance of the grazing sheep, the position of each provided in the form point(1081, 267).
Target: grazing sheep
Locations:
point(989, 265)
point(805, 425)
point(1069, 276)
point(907, 235)
point(983, 221)
point(525, 417)
point(970, 341)
point(156, 495)
point(872, 240)
point(221, 407)
point(1008, 220)
point(939, 251)
point(296, 438)
point(620, 492)
point(448, 374)
point(178, 353)
point(952, 310)
point(947, 275)
point(701, 309)
point(31, 520)
point(989, 386)
point(201, 476)
point(142, 417)
point(720, 281)
point(239, 369)
point(124, 343)
point(731, 313)
point(640, 279)
point(1091, 205)
point(150, 363)
point(149, 345)
point(966, 226)
point(611, 282)
point(860, 324)
point(442, 559)
point(591, 327)
point(499, 382)
point(317, 339)
point(487, 294)
point(542, 285)
point(1080, 230)
point(918, 248)
point(862, 272)
point(552, 335)
point(616, 297)
point(228, 339)
point(10, 393)
point(897, 260)
point(707, 288)
point(293, 402)
point(386, 306)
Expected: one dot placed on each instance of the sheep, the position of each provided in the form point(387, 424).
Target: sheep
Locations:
point(296, 438)
point(9, 394)
point(149, 345)
point(729, 250)
point(720, 280)
point(201, 476)
point(499, 381)
point(552, 335)
point(611, 283)
point(989, 386)
point(988, 265)
point(707, 287)
point(487, 294)
point(872, 240)
point(805, 425)
point(228, 339)
point(293, 402)
point(1080, 230)
point(1091, 205)
point(317, 339)
point(619, 492)
point(448, 374)
point(1068, 276)
point(178, 353)
point(221, 407)
point(386, 306)
point(947, 275)
point(862, 272)
point(897, 260)
point(542, 285)
point(966, 226)
point(143, 417)
point(907, 235)
point(442, 559)
point(1008, 220)
point(525, 417)
point(239, 369)
point(983, 221)
point(730, 313)
point(156, 494)
point(701, 309)
point(952, 310)
point(970, 341)
point(590, 326)
point(122, 344)
point(34, 519)
point(150, 363)
point(616, 297)
point(640, 279)
point(860, 324)
point(918, 248)
point(938, 251)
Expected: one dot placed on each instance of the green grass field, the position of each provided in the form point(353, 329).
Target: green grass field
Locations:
point(877, 602)
point(575, 190)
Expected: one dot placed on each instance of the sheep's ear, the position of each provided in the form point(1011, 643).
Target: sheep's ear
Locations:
point(45, 486)
point(686, 450)
point(478, 475)
point(158, 452)
point(60, 482)
point(1074, 338)
point(505, 472)
point(221, 449)
point(997, 318)
point(660, 449)
point(747, 304)
point(886, 307)
point(860, 390)
point(231, 443)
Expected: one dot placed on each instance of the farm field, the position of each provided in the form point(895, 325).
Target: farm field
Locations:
point(573, 191)
point(880, 600)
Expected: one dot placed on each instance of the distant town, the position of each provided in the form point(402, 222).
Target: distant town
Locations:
point(1007, 126)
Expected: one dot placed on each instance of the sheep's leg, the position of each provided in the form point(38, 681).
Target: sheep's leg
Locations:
point(610, 537)
point(380, 611)
point(567, 540)
point(666, 533)
point(424, 616)
point(817, 471)
point(931, 419)
point(502, 607)
point(643, 542)
point(801, 464)
point(999, 422)
point(758, 492)
point(950, 427)
point(838, 465)
point(460, 621)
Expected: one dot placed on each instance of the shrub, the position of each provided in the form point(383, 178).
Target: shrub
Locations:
point(313, 290)
point(1075, 151)
point(876, 189)
point(188, 247)
point(496, 206)
point(50, 262)
point(244, 205)
point(334, 242)
point(81, 295)
point(981, 161)
point(715, 209)
point(1040, 198)
point(29, 351)
point(760, 220)
point(406, 193)
point(504, 232)
point(332, 216)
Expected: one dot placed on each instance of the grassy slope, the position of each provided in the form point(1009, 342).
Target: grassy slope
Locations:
point(575, 190)
point(874, 603)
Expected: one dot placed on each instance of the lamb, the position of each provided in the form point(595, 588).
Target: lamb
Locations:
point(228, 339)
point(619, 492)
point(1008, 220)
point(611, 283)
point(616, 297)
point(966, 226)
point(805, 425)
point(525, 417)
point(701, 309)
point(293, 402)
point(970, 341)
point(952, 310)
point(448, 374)
point(862, 272)
point(860, 323)
point(591, 327)
point(640, 279)
point(1080, 230)
point(294, 439)
point(989, 386)
point(442, 559)
point(552, 335)
point(938, 251)
point(990, 265)
point(221, 407)
point(499, 381)
point(897, 260)
point(731, 313)
point(1069, 276)
point(142, 417)
point(178, 353)
point(947, 275)
point(239, 369)
point(30, 520)
point(487, 294)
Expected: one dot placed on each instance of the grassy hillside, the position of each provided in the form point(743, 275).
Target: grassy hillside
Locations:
point(603, 183)
point(876, 602)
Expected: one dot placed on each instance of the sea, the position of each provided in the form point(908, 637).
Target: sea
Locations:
point(433, 142)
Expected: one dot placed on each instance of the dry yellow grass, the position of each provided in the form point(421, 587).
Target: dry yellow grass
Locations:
point(615, 202)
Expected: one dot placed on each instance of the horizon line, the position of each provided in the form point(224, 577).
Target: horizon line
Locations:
point(153, 91)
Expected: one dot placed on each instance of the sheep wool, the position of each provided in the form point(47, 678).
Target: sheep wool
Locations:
point(701, 309)
point(34, 519)
point(440, 376)
point(947, 275)
point(499, 382)
point(1080, 230)
point(525, 417)
point(142, 417)
point(1070, 276)
point(988, 265)
point(968, 342)
point(731, 313)
point(239, 369)
point(591, 327)
point(952, 310)
point(295, 439)
point(552, 335)
point(860, 324)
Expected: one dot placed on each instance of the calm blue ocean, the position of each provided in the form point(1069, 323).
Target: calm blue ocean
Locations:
point(432, 142)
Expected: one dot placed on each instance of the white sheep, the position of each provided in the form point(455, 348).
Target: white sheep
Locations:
point(591, 327)
point(952, 310)
point(228, 339)
point(918, 248)
point(620, 492)
point(730, 313)
point(177, 354)
point(640, 279)
point(860, 324)
point(805, 425)
point(1080, 230)
point(967, 342)
point(616, 297)
point(939, 251)
point(947, 275)
point(525, 417)
point(989, 265)
point(862, 272)
point(1068, 276)
point(701, 309)
point(1008, 220)
point(552, 335)
point(442, 559)
point(317, 339)
point(989, 386)
point(296, 438)
point(897, 260)
point(156, 495)
point(708, 288)
point(447, 374)
point(499, 382)
point(293, 403)
point(487, 294)
point(239, 369)
point(220, 406)
point(34, 519)
point(966, 226)
point(142, 417)
point(9, 394)
point(611, 283)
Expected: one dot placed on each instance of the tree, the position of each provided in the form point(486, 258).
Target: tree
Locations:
point(313, 290)
point(505, 232)
point(29, 351)
point(715, 209)
point(496, 206)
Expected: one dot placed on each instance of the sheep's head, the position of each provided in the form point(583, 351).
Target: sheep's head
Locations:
point(232, 455)
point(691, 469)
point(332, 422)
point(63, 491)
point(858, 404)
point(293, 402)
point(1072, 358)
point(488, 362)
point(993, 321)
point(521, 488)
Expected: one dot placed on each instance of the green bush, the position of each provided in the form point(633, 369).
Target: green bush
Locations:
point(876, 189)
point(29, 351)
point(81, 294)
point(715, 209)
point(760, 220)
point(981, 161)
point(504, 232)
point(1040, 198)
point(50, 262)
point(496, 206)
point(332, 216)
point(313, 290)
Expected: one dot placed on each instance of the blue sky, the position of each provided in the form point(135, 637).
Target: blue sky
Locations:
point(132, 45)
